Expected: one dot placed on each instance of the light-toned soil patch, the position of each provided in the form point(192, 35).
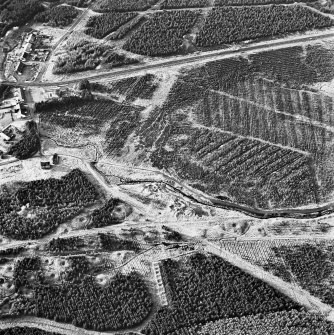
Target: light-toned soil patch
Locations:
point(29, 170)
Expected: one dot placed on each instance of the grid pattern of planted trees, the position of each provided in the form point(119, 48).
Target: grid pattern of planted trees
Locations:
point(251, 126)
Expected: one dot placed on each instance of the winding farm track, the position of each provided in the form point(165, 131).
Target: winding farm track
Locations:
point(295, 213)
point(200, 197)
point(207, 200)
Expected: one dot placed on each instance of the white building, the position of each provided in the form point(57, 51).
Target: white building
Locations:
point(10, 109)
point(17, 92)
point(4, 137)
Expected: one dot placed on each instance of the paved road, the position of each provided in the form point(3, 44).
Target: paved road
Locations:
point(183, 60)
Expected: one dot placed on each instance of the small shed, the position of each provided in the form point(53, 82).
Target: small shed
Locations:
point(45, 165)
point(55, 159)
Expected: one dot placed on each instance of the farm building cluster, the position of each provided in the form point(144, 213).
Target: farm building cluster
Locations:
point(12, 113)
point(25, 59)
point(47, 165)
point(11, 109)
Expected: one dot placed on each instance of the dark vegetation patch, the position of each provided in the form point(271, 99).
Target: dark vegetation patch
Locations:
point(84, 55)
point(4, 260)
point(65, 244)
point(114, 211)
point(122, 126)
point(171, 234)
point(89, 115)
point(11, 251)
point(321, 60)
point(124, 303)
point(128, 28)
point(255, 2)
point(76, 3)
point(142, 87)
point(60, 16)
point(23, 269)
point(207, 288)
point(304, 263)
point(233, 24)
point(312, 266)
point(112, 243)
point(162, 34)
point(279, 323)
point(78, 269)
point(296, 227)
point(25, 331)
point(101, 26)
point(29, 143)
point(51, 201)
point(169, 4)
point(123, 5)
point(72, 112)
point(17, 13)
point(325, 7)
point(5, 91)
